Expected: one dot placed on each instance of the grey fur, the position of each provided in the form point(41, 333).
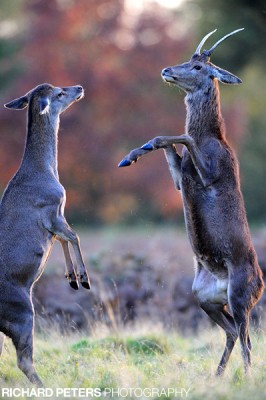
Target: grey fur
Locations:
point(32, 218)
point(228, 280)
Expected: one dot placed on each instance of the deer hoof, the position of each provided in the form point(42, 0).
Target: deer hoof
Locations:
point(147, 146)
point(72, 280)
point(74, 285)
point(86, 285)
point(124, 163)
point(85, 282)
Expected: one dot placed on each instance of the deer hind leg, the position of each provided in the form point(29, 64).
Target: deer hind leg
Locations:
point(24, 348)
point(19, 326)
point(70, 271)
point(221, 316)
point(245, 289)
point(212, 297)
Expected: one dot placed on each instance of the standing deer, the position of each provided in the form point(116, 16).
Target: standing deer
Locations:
point(228, 280)
point(32, 218)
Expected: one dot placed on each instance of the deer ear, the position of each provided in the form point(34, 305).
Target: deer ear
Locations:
point(225, 77)
point(44, 105)
point(18, 104)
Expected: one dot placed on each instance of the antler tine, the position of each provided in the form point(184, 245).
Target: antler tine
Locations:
point(203, 41)
point(209, 52)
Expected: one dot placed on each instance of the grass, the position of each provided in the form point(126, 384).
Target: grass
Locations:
point(144, 357)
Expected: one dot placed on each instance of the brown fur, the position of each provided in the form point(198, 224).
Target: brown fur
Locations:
point(228, 280)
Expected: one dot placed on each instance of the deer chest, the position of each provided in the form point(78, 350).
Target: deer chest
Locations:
point(190, 177)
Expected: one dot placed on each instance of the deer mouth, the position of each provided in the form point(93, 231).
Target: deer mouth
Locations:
point(80, 96)
point(169, 78)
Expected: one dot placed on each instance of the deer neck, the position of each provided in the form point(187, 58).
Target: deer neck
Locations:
point(41, 144)
point(204, 116)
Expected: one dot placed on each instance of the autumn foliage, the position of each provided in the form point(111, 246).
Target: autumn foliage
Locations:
point(118, 59)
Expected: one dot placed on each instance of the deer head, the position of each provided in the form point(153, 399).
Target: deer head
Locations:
point(199, 72)
point(48, 99)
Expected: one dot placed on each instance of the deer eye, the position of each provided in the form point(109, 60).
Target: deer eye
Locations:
point(60, 94)
point(197, 67)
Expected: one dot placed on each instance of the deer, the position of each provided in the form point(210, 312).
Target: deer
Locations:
point(228, 281)
point(32, 219)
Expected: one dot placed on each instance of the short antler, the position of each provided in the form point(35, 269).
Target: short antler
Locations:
point(209, 52)
point(198, 49)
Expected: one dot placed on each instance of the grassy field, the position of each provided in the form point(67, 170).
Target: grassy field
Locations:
point(140, 358)
point(144, 360)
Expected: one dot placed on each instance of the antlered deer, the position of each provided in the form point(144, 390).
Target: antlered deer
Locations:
point(228, 280)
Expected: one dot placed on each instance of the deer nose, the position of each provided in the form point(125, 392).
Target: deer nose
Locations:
point(166, 71)
point(79, 88)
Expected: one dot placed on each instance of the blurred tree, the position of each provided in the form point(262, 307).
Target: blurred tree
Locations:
point(246, 47)
point(253, 148)
point(254, 171)
point(243, 54)
point(10, 14)
point(118, 58)
point(93, 43)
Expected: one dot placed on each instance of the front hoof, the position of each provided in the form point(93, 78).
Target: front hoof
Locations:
point(147, 146)
point(72, 280)
point(74, 285)
point(86, 285)
point(124, 163)
point(85, 282)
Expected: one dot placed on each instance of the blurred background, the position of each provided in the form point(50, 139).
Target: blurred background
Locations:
point(116, 49)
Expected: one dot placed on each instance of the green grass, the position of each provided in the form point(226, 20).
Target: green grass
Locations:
point(144, 357)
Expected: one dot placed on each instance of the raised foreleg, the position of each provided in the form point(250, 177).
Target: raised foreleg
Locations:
point(203, 165)
point(133, 156)
point(160, 142)
point(172, 157)
point(57, 225)
point(63, 230)
point(70, 271)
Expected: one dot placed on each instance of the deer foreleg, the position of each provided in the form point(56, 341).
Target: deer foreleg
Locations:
point(173, 159)
point(63, 230)
point(59, 227)
point(133, 157)
point(70, 271)
point(174, 163)
point(157, 143)
point(202, 165)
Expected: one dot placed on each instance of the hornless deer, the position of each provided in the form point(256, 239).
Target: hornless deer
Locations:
point(32, 218)
point(228, 280)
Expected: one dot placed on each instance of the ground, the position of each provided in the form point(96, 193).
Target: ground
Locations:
point(142, 359)
point(138, 329)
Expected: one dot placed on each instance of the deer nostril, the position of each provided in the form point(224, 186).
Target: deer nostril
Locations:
point(80, 88)
point(166, 71)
